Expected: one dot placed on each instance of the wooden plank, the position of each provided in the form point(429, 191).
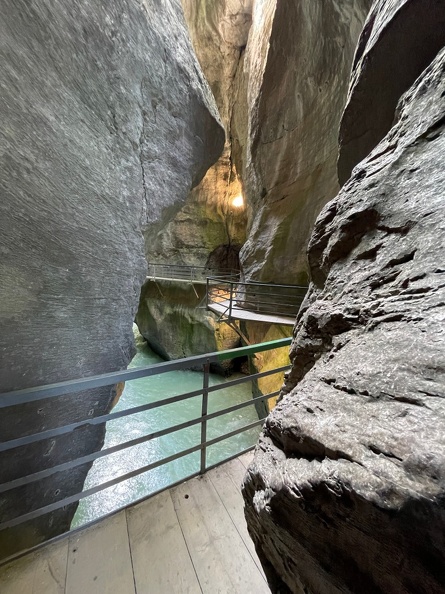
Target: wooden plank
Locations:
point(227, 480)
point(41, 572)
point(221, 560)
point(246, 458)
point(239, 313)
point(99, 559)
point(161, 561)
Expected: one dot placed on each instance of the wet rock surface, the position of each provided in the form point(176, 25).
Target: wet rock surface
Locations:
point(292, 89)
point(172, 318)
point(347, 489)
point(108, 123)
point(399, 40)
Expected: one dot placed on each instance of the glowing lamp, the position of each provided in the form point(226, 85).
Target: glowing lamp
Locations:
point(238, 201)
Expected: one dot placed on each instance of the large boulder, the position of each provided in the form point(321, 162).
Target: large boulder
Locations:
point(173, 320)
point(107, 124)
point(346, 492)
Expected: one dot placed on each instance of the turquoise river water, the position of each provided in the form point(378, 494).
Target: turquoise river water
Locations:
point(151, 389)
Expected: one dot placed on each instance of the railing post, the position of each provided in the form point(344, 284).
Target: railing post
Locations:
point(205, 401)
point(230, 302)
point(207, 293)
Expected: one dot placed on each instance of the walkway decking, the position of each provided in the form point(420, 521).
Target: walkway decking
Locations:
point(239, 313)
point(189, 539)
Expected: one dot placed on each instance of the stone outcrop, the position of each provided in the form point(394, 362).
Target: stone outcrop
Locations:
point(261, 332)
point(175, 324)
point(292, 87)
point(347, 488)
point(108, 123)
point(206, 222)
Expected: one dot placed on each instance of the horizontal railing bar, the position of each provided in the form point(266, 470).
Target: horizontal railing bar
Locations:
point(259, 284)
point(58, 431)
point(106, 379)
point(93, 490)
point(238, 293)
point(241, 453)
point(213, 271)
point(262, 299)
point(20, 482)
point(216, 440)
point(92, 457)
point(248, 378)
point(36, 437)
point(272, 290)
point(267, 307)
point(267, 298)
point(225, 411)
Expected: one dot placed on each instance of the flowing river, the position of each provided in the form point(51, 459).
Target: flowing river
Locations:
point(151, 389)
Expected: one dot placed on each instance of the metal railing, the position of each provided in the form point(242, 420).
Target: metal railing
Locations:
point(232, 296)
point(186, 273)
point(37, 394)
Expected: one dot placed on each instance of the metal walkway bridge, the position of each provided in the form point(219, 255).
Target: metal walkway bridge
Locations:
point(232, 299)
point(189, 539)
point(202, 438)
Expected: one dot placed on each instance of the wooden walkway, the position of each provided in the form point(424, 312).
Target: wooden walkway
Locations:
point(239, 313)
point(189, 539)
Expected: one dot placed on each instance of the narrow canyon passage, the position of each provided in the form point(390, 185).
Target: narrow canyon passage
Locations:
point(284, 159)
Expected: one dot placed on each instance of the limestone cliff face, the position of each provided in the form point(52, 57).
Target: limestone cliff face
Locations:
point(219, 32)
point(346, 492)
point(209, 229)
point(292, 91)
point(108, 123)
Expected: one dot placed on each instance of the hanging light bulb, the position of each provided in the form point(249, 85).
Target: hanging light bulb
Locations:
point(238, 201)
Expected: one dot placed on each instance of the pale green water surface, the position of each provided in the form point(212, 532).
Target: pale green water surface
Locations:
point(152, 389)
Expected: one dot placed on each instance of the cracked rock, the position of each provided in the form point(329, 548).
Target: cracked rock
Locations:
point(346, 493)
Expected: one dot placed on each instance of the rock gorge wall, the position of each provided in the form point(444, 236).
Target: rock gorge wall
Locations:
point(209, 229)
point(346, 491)
point(219, 32)
point(292, 90)
point(293, 87)
point(108, 123)
point(279, 73)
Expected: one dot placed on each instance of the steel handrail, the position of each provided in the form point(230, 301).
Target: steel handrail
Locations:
point(187, 272)
point(129, 444)
point(114, 377)
point(257, 283)
point(257, 297)
point(19, 397)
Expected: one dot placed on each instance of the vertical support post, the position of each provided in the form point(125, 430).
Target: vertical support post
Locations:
point(230, 302)
point(204, 408)
point(207, 293)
